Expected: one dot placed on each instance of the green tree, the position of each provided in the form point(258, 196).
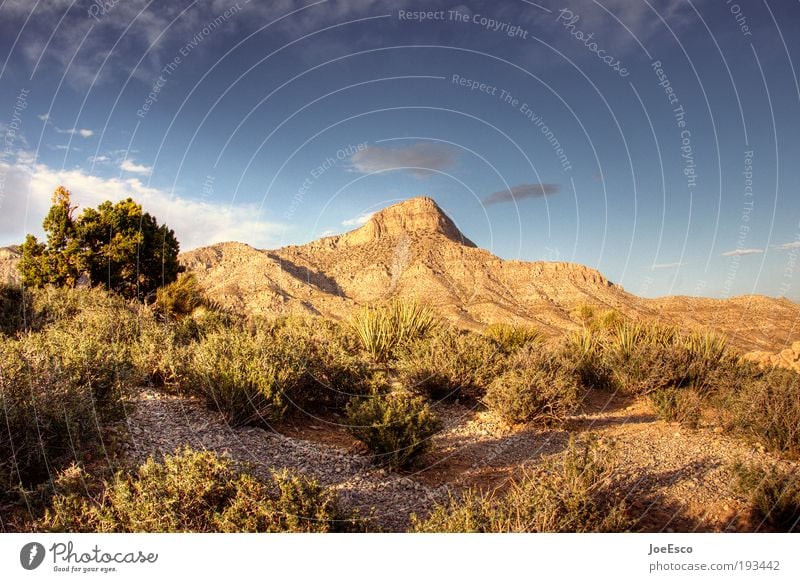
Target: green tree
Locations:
point(58, 261)
point(115, 245)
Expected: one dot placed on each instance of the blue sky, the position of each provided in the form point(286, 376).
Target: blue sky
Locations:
point(655, 140)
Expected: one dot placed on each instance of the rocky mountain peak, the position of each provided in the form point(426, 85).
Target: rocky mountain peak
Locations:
point(415, 216)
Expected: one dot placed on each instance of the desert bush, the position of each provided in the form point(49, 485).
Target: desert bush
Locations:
point(573, 494)
point(382, 330)
point(197, 492)
point(537, 388)
point(677, 405)
point(275, 368)
point(512, 337)
point(773, 495)
point(12, 309)
point(645, 358)
point(162, 352)
point(328, 352)
point(765, 404)
point(581, 352)
point(451, 363)
point(180, 298)
point(396, 427)
point(57, 389)
point(236, 374)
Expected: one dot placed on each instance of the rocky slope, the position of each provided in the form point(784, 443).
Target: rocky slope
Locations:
point(413, 249)
point(9, 259)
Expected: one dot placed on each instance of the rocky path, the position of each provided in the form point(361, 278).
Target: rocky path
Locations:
point(673, 478)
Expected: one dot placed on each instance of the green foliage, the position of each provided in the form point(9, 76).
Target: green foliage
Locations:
point(116, 245)
point(328, 355)
point(181, 297)
point(765, 404)
point(382, 330)
point(197, 492)
point(396, 427)
point(512, 337)
point(536, 388)
point(677, 405)
point(256, 375)
point(57, 388)
point(235, 373)
point(773, 495)
point(582, 353)
point(451, 363)
point(13, 307)
point(574, 494)
point(637, 358)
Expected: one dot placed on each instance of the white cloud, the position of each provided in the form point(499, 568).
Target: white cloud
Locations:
point(655, 266)
point(44, 116)
point(358, 220)
point(134, 168)
point(742, 252)
point(420, 159)
point(788, 246)
point(75, 131)
point(27, 190)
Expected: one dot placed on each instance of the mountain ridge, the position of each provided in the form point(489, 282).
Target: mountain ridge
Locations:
point(412, 249)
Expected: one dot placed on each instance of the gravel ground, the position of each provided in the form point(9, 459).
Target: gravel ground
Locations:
point(161, 424)
point(674, 479)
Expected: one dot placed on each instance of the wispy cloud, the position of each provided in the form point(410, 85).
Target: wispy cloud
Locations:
point(358, 220)
point(742, 252)
point(788, 246)
point(134, 168)
point(196, 223)
point(420, 159)
point(75, 131)
point(656, 266)
point(521, 192)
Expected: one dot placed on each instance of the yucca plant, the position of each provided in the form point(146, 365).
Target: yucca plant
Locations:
point(512, 337)
point(382, 329)
point(373, 329)
point(627, 336)
point(709, 346)
point(409, 320)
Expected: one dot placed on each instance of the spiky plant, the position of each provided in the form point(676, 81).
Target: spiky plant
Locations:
point(410, 320)
point(373, 329)
point(511, 337)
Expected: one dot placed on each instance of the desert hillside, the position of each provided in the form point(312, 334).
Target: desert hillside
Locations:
point(414, 250)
